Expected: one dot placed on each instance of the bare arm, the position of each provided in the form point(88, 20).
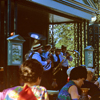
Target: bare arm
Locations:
point(74, 92)
point(97, 82)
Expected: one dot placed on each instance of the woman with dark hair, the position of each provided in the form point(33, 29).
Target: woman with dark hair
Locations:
point(70, 90)
point(31, 73)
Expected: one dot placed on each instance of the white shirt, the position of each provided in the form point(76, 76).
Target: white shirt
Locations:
point(56, 58)
point(45, 55)
point(37, 56)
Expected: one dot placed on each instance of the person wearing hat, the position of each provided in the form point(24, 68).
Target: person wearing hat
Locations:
point(37, 48)
point(67, 55)
point(58, 58)
point(94, 91)
point(57, 74)
point(48, 74)
point(46, 53)
point(65, 64)
point(46, 63)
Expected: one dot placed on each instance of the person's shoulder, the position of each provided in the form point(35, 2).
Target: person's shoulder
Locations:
point(69, 84)
point(40, 87)
point(9, 89)
point(61, 53)
point(72, 84)
point(89, 84)
point(35, 54)
point(73, 88)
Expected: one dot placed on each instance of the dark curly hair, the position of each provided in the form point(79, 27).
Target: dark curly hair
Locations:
point(30, 70)
point(78, 73)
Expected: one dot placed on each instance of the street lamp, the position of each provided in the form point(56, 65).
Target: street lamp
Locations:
point(93, 18)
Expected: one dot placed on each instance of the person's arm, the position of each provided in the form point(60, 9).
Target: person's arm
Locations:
point(97, 82)
point(70, 58)
point(2, 95)
point(45, 95)
point(37, 57)
point(5, 92)
point(55, 58)
point(62, 57)
point(74, 92)
point(46, 55)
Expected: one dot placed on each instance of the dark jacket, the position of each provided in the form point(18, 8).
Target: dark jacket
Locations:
point(94, 91)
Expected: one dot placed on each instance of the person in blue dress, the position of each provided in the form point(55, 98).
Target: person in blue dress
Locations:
point(70, 90)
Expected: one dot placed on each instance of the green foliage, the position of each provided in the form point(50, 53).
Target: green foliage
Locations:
point(64, 35)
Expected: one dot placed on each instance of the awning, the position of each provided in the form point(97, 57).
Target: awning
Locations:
point(71, 9)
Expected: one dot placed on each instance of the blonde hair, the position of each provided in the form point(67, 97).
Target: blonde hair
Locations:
point(90, 71)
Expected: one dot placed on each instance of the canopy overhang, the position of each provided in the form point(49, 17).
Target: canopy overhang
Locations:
point(71, 9)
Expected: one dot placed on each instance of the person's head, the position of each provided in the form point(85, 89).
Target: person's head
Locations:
point(47, 47)
point(90, 73)
point(37, 48)
point(53, 51)
point(78, 74)
point(63, 48)
point(57, 51)
point(31, 71)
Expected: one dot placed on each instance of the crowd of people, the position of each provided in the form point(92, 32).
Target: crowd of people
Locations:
point(70, 90)
point(51, 59)
point(75, 76)
point(42, 66)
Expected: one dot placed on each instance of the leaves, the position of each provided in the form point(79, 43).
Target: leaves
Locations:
point(64, 35)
